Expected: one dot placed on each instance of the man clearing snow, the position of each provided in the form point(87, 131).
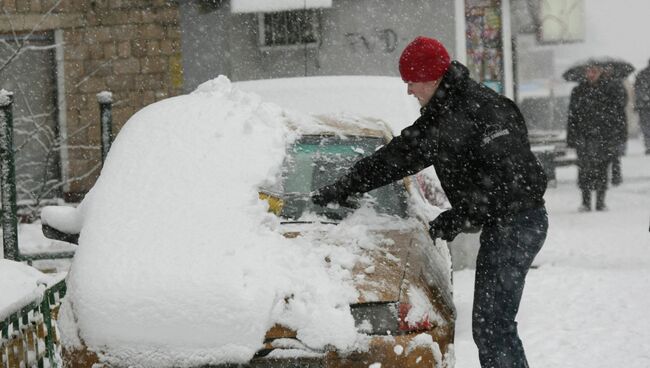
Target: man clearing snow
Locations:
point(477, 142)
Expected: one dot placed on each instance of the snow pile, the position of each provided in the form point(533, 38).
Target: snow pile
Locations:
point(5, 97)
point(19, 286)
point(31, 240)
point(63, 218)
point(105, 97)
point(179, 261)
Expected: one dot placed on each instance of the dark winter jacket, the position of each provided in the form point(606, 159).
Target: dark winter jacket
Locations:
point(642, 90)
point(478, 144)
point(597, 123)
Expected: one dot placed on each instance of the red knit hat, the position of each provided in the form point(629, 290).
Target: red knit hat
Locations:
point(423, 60)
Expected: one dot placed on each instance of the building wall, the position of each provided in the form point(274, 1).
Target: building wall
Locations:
point(131, 48)
point(359, 37)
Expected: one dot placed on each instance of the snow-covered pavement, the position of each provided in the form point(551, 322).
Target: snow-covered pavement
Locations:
point(586, 304)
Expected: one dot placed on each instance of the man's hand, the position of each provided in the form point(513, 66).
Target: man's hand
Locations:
point(332, 193)
point(446, 226)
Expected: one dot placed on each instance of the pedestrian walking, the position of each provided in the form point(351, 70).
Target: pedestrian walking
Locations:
point(597, 129)
point(642, 104)
point(477, 142)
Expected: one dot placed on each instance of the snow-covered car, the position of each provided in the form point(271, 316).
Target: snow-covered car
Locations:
point(199, 246)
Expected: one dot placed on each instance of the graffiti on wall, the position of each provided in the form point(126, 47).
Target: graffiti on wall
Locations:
point(381, 40)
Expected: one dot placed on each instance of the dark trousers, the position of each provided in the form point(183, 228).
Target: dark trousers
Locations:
point(506, 253)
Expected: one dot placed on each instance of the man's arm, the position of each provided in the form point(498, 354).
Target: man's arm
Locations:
point(405, 155)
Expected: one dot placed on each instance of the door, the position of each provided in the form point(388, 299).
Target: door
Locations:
point(28, 70)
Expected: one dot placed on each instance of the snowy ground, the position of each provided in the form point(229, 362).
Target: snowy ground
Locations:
point(587, 303)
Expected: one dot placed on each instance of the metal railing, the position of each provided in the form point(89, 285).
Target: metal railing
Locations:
point(28, 336)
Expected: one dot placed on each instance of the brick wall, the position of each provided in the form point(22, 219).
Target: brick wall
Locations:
point(131, 48)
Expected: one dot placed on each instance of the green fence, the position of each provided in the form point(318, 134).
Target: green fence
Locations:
point(28, 336)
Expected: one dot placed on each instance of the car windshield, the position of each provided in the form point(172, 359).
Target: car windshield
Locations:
point(315, 161)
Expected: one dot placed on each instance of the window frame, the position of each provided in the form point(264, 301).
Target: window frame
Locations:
point(314, 18)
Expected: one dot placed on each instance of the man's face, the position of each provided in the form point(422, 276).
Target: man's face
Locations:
point(423, 91)
point(593, 73)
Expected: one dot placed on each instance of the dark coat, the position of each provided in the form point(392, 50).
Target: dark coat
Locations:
point(478, 144)
point(642, 90)
point(597, 115)
point(596, 128)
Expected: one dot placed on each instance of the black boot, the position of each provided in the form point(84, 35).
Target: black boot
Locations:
point(600, 201)
point(586, 201)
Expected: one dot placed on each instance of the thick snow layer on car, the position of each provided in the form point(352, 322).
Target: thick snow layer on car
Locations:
point(19, 285)
point(63, 218)
point(369, 96)
point(256, 6)
point(179, 260)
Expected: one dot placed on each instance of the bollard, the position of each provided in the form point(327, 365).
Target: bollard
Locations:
point(105, 100)
point(8, 179)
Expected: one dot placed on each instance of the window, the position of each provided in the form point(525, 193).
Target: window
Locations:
point(289, 28)
point(315, 161)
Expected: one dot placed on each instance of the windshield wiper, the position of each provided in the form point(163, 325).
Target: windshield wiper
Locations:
point(294, 204)
point(308, 222)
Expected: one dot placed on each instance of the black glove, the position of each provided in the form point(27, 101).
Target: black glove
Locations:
point(447, 225)
point(333, 193)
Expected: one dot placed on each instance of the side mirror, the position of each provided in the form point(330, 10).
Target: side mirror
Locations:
point(274, 200)
point(52, 233)
point(61, 223)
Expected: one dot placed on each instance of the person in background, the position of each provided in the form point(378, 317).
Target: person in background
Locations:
point(477, 142)
point(642, 104)
point(596, 128)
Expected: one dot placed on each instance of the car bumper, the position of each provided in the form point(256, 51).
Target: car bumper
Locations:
point(399, 351)
point(390, 352)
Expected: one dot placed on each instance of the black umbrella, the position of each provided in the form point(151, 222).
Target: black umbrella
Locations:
point(613, 68)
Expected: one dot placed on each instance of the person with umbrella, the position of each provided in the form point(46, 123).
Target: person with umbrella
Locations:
point(596, 125)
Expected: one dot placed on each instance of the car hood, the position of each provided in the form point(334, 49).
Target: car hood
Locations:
point(382, 280)
point(379, 272)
